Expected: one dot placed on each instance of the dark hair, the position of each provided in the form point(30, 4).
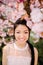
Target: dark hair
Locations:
point(23, 22)
point(32, 52)
point(40, 1)
point(27, 6)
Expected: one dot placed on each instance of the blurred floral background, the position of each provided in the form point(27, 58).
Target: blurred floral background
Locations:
point(32, 11)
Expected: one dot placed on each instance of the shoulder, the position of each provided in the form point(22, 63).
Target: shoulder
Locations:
point(35, 51)
point(36, 56)
point(6, 48)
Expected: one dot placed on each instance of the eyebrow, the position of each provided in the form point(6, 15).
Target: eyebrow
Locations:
point(25, 30)
point(19, 30)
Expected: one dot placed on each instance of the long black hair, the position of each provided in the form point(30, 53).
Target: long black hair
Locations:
point(23, 22)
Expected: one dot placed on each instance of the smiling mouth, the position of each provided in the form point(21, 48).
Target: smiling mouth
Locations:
point(21, 38)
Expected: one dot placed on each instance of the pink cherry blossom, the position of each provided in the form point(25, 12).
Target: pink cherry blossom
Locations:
point(7, 1)
point(2, 8)
point(1, 21)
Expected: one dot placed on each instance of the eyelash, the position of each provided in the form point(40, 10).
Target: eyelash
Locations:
point(25, 32)
point(17, 32)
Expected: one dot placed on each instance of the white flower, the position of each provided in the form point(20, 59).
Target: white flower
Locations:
point(29, 24)
point(38, 28)
point(12, 4)
point(5, 22)
point(3, 34)
point(36, 15)
point(37, 3)
point(21, 6)
point(8, 10)
point(41, 9)
point(22, 12)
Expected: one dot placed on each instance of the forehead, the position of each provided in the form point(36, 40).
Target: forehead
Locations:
point(21, 28)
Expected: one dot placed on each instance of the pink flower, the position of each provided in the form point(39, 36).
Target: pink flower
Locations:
point(7, 1)
point(5, 22)
point(13, 5)
point(1, 21)
point(2, 8)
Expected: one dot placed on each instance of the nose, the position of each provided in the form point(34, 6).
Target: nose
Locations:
point(22, 35)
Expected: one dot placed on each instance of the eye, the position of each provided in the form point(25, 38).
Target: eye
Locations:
point(25, 32)
point(18, 32)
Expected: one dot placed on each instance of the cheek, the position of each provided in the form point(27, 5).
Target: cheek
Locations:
point(16, 36)
point(26, 36)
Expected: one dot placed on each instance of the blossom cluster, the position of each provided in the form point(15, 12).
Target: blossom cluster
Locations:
point(10, 12)
point(8, 16)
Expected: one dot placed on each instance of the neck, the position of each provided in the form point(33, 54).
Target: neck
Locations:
point(20, 45)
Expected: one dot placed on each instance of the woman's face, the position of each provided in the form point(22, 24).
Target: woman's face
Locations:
point(21, 34)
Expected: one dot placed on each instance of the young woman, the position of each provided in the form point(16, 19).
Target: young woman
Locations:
point(20, 52)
